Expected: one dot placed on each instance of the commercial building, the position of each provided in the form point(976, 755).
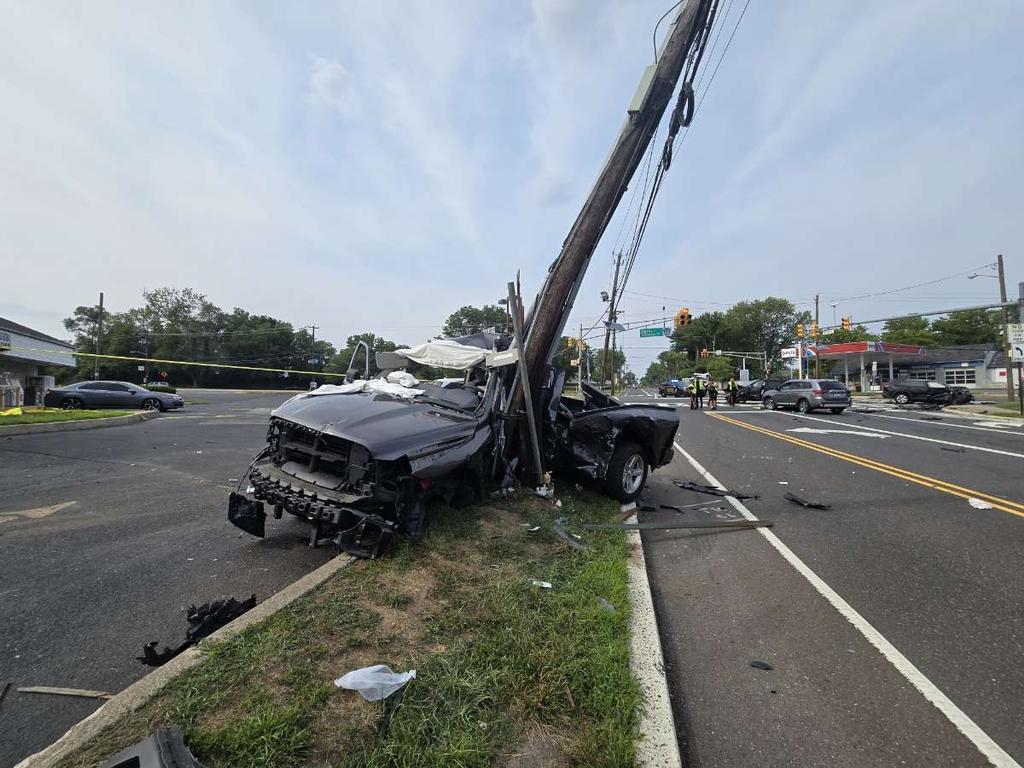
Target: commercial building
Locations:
point(869, 363)
point(23, 354)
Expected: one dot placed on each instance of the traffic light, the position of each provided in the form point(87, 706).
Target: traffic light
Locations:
point(799, 330)
point(847, 322)
point(682, 317)
point(814, 330)
point(570, 342)
point(704, 352)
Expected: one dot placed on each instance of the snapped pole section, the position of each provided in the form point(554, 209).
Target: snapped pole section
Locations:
point(524, 377)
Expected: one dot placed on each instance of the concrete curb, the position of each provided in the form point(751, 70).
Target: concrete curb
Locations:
point(141, 691)
point(659, 745)
point(74, 426)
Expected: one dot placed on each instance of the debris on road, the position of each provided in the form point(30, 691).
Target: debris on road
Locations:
point(954, 450)
point(375, 683)
point(3, 690)
point(203, 622)
point(164, 749)
point(979, 504)
point(687, 485)
point(762, 665)
point(674, 508)
point(77, 692)
point(804, 503)
point(672, 526)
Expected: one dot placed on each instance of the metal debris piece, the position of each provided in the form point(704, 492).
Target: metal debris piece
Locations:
point(542, 584)
point(670, 526)
point(762, 665)
point(954, 450)
point(805, 503)
point(79, 692)
point(164, 749)
point(976, 503)
point(712, 490)
point(567, 537)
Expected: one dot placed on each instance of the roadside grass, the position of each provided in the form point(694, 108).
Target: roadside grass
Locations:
point(47, 415)
point(508, 674)
point(1009, 409)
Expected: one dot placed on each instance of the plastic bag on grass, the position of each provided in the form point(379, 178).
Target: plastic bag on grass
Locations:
point(374, 683)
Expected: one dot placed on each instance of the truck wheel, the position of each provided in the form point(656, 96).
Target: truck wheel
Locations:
point(627, 472)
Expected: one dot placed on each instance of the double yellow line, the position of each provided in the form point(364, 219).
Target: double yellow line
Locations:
point(1004, 505)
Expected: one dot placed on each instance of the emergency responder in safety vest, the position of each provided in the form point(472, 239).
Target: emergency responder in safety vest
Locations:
point(730, 390)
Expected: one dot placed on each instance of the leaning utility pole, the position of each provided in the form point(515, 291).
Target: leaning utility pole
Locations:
point(612, 319)
point(565, 275)
point(1006, 335)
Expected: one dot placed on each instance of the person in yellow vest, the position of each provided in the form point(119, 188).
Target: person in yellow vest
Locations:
point(700, 392)
point(692, 390)
point(731, 389)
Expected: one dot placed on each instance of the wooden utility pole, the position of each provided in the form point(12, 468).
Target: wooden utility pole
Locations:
point(552, 307)
point(99, 336)
point(817, 357)
point(612, 318)
point(580, 351)
point(1006, 336)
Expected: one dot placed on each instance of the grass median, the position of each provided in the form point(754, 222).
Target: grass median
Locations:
point(508, 673)
point(50, 415)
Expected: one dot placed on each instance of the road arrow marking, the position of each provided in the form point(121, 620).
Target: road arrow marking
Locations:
point(837, 432)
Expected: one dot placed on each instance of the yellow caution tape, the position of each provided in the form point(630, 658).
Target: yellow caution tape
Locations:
point(178, 362)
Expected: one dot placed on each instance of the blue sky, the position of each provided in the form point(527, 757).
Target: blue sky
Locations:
point(374, 166)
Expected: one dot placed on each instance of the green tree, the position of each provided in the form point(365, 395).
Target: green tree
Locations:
point(467, 320)
point(857, 333)
point(972, 326)
point(340, 362)
point(909, 330)
point(617, 363)
point(764, 326)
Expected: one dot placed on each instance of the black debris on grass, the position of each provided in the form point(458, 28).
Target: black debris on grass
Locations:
point(203, 621)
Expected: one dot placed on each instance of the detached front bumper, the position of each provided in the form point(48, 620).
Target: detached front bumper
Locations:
point(359, 532)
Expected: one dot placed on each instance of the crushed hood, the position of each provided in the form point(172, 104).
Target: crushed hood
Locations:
point(389, 428)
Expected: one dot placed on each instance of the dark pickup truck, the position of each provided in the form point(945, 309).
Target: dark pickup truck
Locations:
point(360, 466)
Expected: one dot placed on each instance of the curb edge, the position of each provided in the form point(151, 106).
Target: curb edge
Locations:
point(144, 689)
point(659, 743)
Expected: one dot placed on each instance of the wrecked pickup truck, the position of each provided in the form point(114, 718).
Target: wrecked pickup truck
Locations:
point(360, 461)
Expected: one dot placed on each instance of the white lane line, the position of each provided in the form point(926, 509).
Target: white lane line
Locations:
point(813, 431)
point(945, 423)
point(915, 437)
point(992, 751)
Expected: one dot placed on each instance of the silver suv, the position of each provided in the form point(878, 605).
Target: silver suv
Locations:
point(808, 394)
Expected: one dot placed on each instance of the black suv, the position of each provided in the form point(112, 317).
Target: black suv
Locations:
point(903, 391)
point(756, 388)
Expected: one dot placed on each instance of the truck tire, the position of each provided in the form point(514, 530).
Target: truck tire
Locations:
point(627, 472)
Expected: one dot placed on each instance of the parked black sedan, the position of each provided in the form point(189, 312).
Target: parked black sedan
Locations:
point(110, 394)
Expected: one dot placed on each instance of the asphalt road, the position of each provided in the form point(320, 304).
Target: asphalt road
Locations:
point(903, 594)
point(107, 535)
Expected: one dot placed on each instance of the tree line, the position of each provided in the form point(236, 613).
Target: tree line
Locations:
point(765, 327)
point(183, 325)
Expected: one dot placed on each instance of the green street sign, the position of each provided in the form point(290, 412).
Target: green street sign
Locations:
point(646, 332)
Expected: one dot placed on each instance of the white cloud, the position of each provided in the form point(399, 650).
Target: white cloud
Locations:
point(332, 85)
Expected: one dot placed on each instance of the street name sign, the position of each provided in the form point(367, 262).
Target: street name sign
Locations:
point(646, 332)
